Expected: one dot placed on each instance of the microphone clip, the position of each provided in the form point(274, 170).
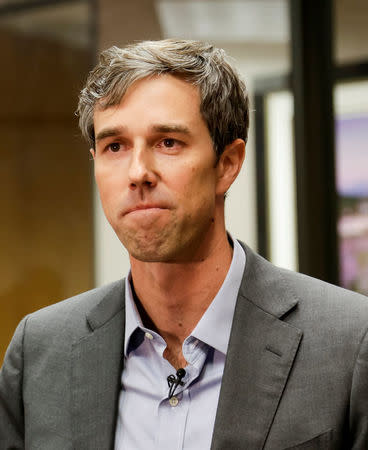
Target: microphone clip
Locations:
point(175, 381)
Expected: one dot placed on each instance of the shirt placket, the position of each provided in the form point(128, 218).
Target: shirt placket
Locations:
point(173, 414)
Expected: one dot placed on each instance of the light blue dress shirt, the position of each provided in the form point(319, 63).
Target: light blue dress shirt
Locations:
point(147, 419)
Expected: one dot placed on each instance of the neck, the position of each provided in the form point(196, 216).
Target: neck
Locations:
point(174, 296)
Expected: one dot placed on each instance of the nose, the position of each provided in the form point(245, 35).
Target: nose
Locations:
point(141, 173)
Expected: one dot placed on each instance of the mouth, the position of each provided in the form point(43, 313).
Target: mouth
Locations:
point(144, 209)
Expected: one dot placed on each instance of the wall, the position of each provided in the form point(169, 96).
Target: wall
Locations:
point(46, 205)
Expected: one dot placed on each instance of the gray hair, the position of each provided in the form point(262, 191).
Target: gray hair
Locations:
point(224, 103)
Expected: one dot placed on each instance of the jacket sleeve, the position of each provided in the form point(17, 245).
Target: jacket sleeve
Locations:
point(11, 398)
point(359, 399)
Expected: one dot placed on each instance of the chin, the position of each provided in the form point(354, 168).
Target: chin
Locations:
point(165, 245)
point(150, 255)
point(154, 250)
point(163, 254)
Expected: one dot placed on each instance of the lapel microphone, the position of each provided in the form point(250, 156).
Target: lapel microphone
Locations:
point(174, 381)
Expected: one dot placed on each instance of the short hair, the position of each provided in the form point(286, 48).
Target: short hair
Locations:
point(224, 103)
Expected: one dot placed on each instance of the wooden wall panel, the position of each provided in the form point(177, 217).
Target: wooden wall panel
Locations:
point(46, 236)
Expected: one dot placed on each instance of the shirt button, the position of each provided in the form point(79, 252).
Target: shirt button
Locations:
point(173, 401)
point(148, 335)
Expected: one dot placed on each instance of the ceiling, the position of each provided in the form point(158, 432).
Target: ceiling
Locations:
point(259, 23)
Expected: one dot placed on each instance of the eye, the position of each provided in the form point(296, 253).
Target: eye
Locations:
point(168, 142)
point(114, 147)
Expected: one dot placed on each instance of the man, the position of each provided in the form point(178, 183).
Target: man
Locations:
point(205, 344)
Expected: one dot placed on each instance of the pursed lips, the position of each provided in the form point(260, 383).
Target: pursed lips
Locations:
point(144, 207)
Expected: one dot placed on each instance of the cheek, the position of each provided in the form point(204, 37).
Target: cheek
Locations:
point(109, 186)
point(109, 172)
point(196, 187)
point(202, 179)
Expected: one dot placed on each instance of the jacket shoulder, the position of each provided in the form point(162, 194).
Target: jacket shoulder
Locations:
point(314, 303)
point(325, 297)
point(69, 317)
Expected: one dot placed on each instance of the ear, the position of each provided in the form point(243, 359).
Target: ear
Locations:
point(93, 153)
point(229, 165)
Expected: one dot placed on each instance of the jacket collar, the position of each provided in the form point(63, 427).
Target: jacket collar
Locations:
point(264, 285)
point(111, 303)
point(261, 354)
point(97, 364)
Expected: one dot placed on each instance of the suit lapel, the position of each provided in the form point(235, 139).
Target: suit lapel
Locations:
point(97, 363)
point(261, 353)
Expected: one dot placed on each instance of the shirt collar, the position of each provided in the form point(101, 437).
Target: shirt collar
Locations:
point(132, 317)
point(214, 326)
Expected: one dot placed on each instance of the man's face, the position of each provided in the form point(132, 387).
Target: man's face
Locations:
point(155, 168)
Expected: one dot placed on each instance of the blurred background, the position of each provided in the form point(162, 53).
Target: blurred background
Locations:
point(301, 199)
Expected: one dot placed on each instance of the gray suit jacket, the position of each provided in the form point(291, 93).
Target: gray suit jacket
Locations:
point(296, 373)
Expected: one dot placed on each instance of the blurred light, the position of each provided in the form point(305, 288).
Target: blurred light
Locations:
point(225, 21)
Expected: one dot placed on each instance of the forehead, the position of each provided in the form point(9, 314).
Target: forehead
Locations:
point(164, 97)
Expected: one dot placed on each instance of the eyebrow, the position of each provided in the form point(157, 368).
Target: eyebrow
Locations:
point(163, 128)
point(109, 132)
point(158, 128)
